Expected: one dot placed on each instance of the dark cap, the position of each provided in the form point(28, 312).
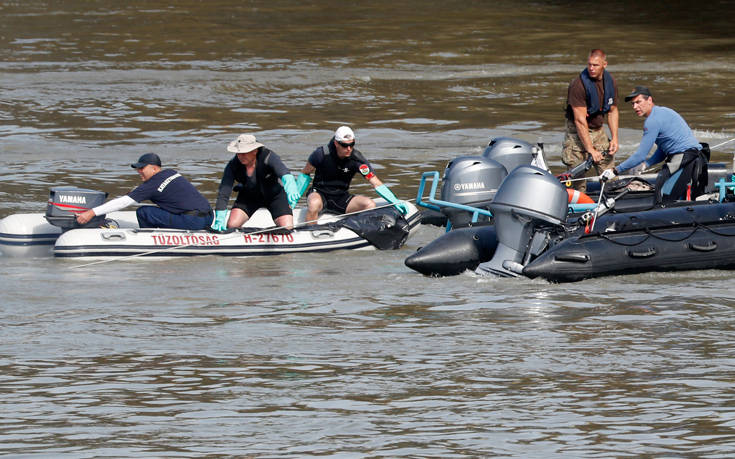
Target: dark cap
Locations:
point(148, 158)
point(639, 90)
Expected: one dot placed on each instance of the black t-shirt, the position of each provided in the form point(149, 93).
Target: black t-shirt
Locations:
point(171, 192)
point(263, 184)
point(334, 174)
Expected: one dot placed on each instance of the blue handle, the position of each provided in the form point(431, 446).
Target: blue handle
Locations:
point(437, 204)
point(723, 186)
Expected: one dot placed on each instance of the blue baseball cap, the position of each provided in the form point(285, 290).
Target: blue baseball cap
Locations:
point(146, 159)
point(639, 90)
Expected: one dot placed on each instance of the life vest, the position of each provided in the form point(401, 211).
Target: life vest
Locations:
point(266, 176)
point(593, 100)
point(577, 197)
point(334, 174)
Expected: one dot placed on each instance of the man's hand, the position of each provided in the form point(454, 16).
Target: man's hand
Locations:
point(85, 217)
point(638, 170)
point(613, 147)
point(596, 155)
point(608, 174)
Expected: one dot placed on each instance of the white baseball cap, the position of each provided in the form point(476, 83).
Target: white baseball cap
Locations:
point(344, 134)
point(244, 143)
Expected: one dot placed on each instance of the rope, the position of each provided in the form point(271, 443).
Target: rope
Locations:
point(721, 144)
point(649, 234)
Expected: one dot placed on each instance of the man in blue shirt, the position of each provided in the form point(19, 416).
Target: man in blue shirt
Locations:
point(685, 162)
point(179, 204)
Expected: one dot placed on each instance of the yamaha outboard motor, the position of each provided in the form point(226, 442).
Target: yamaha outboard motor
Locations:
point(65, 202)
point(512, 153)
point(529, 202)
point(471, 181)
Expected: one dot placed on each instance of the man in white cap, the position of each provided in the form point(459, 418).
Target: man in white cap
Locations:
point(179, 204)
point(335, 164)
point(258, 169)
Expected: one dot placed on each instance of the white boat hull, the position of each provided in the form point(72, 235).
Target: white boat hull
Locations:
point(29, 235)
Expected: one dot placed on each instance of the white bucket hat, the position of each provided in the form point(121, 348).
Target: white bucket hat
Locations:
point(244, 143)
point(344, 134)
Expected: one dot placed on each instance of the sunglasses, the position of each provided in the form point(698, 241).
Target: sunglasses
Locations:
point(345, 145)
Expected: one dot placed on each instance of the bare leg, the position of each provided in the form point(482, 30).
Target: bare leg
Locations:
point(238, 217)
point(360, 202)
point(285, 221)
point(314, 205)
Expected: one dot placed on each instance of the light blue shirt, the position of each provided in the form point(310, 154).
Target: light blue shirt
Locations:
point(668, 130)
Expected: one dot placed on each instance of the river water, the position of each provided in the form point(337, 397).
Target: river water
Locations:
point(346, 354)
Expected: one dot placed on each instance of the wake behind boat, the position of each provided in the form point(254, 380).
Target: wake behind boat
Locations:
point(32, 235)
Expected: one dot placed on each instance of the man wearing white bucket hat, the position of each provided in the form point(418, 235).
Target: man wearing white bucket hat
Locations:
point(258, 169)
point(334, 165)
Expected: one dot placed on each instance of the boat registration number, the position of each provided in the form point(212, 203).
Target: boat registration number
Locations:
point(267, 238)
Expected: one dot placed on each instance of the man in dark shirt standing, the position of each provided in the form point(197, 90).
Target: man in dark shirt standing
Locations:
point(334, 165)
point(592, 98)
point(179, 204)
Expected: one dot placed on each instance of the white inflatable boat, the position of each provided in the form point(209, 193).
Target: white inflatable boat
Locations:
point(31, 235)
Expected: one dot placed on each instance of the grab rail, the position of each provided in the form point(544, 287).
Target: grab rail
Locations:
point(437, 204)
point(723, 186)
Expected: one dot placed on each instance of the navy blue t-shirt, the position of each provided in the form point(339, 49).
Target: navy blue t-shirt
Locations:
point(171, 192)
point(334, 174)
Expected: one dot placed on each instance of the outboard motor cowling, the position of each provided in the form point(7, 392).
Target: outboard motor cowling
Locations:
point(471, 181)
point(66, 202)
point(512, 153)
point(529, 198)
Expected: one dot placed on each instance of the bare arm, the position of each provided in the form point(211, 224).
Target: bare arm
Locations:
point(612, 123)
point(580, 121)
point(375, 181)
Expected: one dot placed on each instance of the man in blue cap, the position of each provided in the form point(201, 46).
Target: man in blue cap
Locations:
point(685, 159)
point(179, 204)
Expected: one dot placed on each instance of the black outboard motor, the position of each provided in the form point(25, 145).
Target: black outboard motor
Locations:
point(512, 153)
point(529, 203)
point(65, 202)
point(471, 181)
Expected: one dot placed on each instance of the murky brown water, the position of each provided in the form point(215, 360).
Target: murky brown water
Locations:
point(348, 354)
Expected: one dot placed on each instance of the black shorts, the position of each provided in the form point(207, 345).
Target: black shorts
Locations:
point(336, 203)
point(278, 206)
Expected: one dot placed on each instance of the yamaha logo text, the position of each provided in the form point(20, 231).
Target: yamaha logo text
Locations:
point(469, 186)
point(73, 199)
